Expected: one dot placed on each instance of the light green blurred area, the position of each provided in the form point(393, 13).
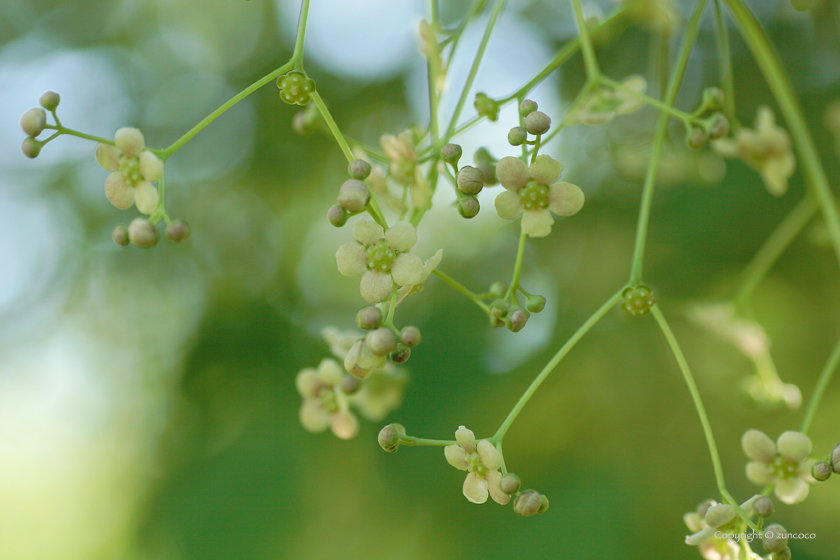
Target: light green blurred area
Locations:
point(147, 401)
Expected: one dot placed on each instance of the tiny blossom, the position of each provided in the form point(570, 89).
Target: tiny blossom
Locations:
point(782, 464)
point(402, 153)
point(381, 257)
point(533, 190)
point(482, 461)
point(767, 149)
point(605, 103)
point(324, 404)
point(134, 170)
point(711, 547)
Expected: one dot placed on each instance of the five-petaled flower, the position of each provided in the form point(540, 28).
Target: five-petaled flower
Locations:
point(482, 461)
point(134, 170)
point(324, 404)
point(782, 464)
point(533, 190)
point(381, 257)
point(606, 103)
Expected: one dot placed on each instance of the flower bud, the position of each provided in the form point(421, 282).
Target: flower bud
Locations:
point(468, 207)
point(351, 361)
point(411, 336)
point(353, 195)
point(537, 123)
point(470, 180)
point(498, 289)
point(696, 138)
point(713, 98)
point(517, 135)
point(527, 107)
point(178, 230)
point(821, 470)
point(142, 233)
point(401, 354)
point(517, 320)
point(528, 503)
point(381, 341)
point(451, 153)
point(31, 147)
point(389, 437)
point(510, 483)
point(350, 385)
point(535, 303)
point(774, 538)
point(359, 169)
point(719, 127)
point(337, 215)
point(498, 309)
point(33, 121)
point(783, 555)
point(368, 318)
point(49, 100)
point(120, 236)
point(835, 459)
point(764, 506)
point(719, 515)
point(543, 503)
point(496, 322)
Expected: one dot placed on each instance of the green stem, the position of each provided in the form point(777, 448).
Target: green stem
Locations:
point(71, 132)
point(549, 367)
point(392, 306)
point(659, 140)
point(773, 247)
point(458, 286)
point(411, 441)
point(297, 56)
point(517, 269)
point(701, 410)
point(825, 377)
point(652, 101)
point(589, 60)
point(373, 207)
point(777, 80)
point(727, 80)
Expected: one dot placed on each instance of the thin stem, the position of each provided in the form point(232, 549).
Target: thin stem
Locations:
point(517, 269)
point(549, 367)
point(458, 286)
point(297, 56)
point(659, 140)
point(773, 248)
point(778, 82)
point(652, 101)
point(589, 60)
point(70, 132)
point(373, 207)
point(411, 441)
point(825, 377)
point(727, 80)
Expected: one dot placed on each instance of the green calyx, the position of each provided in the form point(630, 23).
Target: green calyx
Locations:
point(380, 256)
point(534, 196)
point(638, 300)
point(295, 88)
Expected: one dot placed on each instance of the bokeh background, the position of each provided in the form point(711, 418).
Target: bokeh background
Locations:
point(147, 400)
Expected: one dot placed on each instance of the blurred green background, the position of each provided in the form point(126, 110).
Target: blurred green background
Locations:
point(147, 401)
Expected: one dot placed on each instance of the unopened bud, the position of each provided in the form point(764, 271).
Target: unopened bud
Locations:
point(498, 289)
point(351, 361)
point(775, 539)
point(527, 107)
point(517, 135)
point(713, 98)
point(835, 459)
point(31, 147)
point(696, 138)
point(537, 123)
point(528, 503)
point(470, 180)
point(389, 437)
point(782, 555)
point(337, 215)
point(411, 336)
point(142, 233)
point(178, 230)
point(451, 153)
point(359, 169)
point(821, 470)
point(510, 484)
point(543, 503)
point(498, 309)
point(764, 506)
point(535, 304)
point(719, 515)
point(49, 100)
point(517, 320)
point(468, 207)
point(349, 384)
point(120, 236)
point(720, 126)
point(353, 195)
point(381, 341)
point(33, 121)
point(401, 354)
point(368, 318)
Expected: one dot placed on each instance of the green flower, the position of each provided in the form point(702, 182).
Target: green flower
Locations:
point(295, 88)
point(134, 170)
point(482, 461)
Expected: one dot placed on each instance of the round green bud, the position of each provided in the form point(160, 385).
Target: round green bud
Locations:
point(142, 233)
point(349, 384)
point(774, 538)
point(33, 121)
point(470, 180)
point(401, 354)
point(368, 318)
point(543, 503)
point(535, 303)
point(719, 127)
point(468, 207)
point(719, 515)
point(353, 195)
point(381, 341)
point(498, 309)
point(120, 236)
point(517, 135)
point(411, 336)
point(835, 459)
point(510, 484)
point(783, 555)
point(499, 289)
point(696, 138)
point(451, 153)
point(528, 503)
point(178, 230)
point(537, 123)
point(517, 320)
point(486, 107)
point(764, 506)
point(496, 322)
point(389, 437)
point(31, 147)
point(359, 169)
point(337, 215)
point(527, 107)
point(713, 98)
point(49, 100)
point(821, 471)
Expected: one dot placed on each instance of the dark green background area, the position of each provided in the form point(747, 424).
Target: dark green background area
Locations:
point(611, 438)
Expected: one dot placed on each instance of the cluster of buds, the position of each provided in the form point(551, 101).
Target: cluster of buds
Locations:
point(504, 308)
point(381, 341)
point(710, 122)
point(143, 233)
point(34, 121)
point(354, 194)
point(536, 123)
point(821, 470)
point(469, 180)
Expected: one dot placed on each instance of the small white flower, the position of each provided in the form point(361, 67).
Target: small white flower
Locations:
point(711, 547)
point(134, 170)
point(324, 405)
point(783, 464)
point(482, 462)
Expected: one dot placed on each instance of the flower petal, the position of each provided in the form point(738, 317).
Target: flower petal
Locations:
point(792, 490)
point(475, 489)
point(493, 479)
point(407, 269)
point(376, 286)
point(537, 223)
point(508, 205)
point(344, 424)
point(108, 156)
point(512, 173)
point(760, 473)
point(119, 193)
point(794, 446)
point(330, 372)
point(151, 167)
point(465, 438)
point(129, 141)
point(351, 361)
point(307, 382)
point(456, 456)
point(351, 259)
point(313, 417)
point(401, 236)
point(367, 232)
point(146, 196)
point(565, 199)
point(757, 446)
point(489, 455)
point(545, 170)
